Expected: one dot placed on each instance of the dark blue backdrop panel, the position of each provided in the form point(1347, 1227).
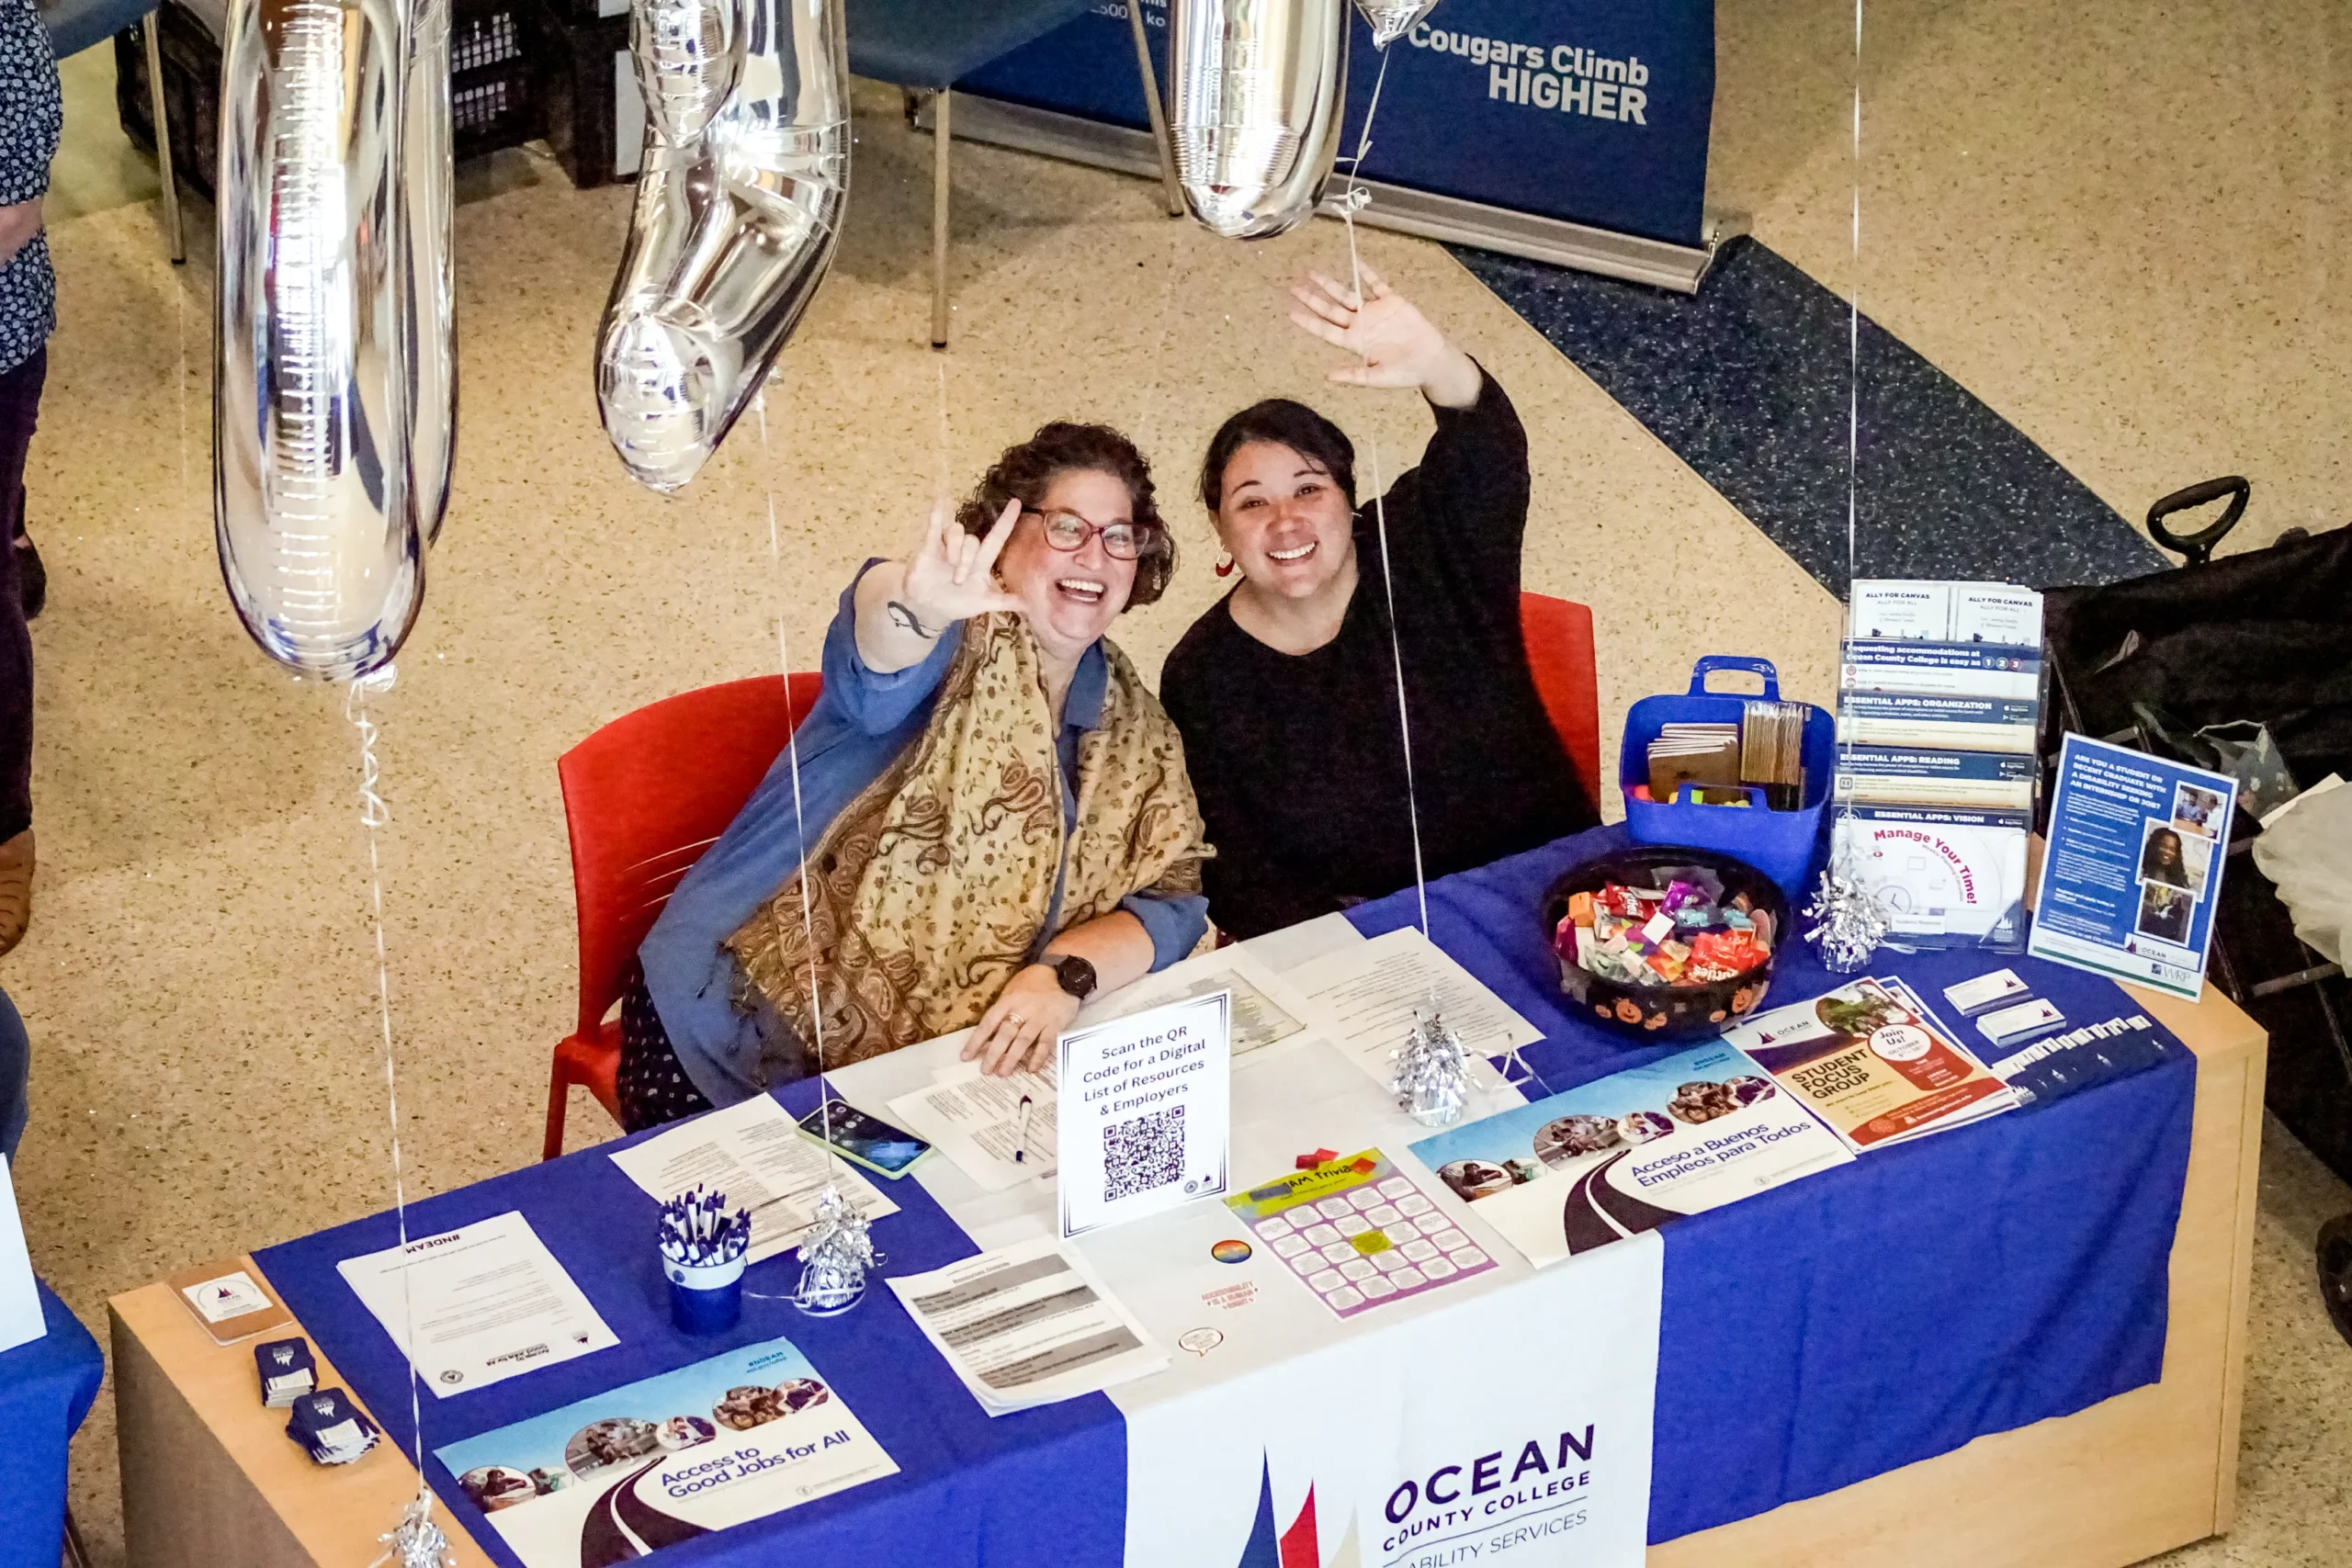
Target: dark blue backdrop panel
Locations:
point(1596, 111)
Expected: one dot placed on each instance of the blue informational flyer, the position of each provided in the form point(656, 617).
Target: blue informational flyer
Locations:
point(2133, 867)
point(665, 1459)
point(1631, 1152)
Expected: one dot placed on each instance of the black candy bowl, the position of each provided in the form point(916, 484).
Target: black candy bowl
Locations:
point(1658, 1015)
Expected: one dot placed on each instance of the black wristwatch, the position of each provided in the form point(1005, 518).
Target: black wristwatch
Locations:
point(1076, 974)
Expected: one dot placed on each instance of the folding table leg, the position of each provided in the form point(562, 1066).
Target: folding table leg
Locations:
point(151, 29)
point(942, 135)
point(77, 1555)
point(1170, 187)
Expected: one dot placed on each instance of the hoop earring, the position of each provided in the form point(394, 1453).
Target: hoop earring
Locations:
point(1226, 564)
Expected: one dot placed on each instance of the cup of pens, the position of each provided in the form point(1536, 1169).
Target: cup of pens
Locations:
point(702, 1249)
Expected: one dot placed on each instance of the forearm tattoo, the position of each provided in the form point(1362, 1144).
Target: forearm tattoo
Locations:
point(908, 619)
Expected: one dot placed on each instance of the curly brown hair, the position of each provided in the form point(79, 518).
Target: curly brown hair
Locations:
point(1026, 471)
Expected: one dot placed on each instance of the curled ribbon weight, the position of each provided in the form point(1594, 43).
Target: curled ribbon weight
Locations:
point(334, 382)
point(739, 206)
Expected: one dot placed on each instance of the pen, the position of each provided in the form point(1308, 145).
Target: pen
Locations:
point(1021, 1154)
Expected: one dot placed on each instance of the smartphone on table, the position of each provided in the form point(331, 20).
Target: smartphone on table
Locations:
point(863, 1140)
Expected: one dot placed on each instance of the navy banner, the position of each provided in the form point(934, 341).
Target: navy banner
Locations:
point(1595, 111)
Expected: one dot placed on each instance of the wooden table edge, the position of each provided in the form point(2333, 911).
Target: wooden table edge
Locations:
point(334, 1514)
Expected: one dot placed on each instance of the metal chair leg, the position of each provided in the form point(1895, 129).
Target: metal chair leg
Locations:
point(942, 136)
point(77, 1555)
point(1170, 187)
point(151, 29)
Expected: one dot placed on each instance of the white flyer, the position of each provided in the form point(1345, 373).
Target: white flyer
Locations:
point(488, 1300)
point(20, 1316)
point(753, 1152)
point(1267, 1008)
point(998, 1131)
point(1898, 610)
point(1027, 1325)
point(1371, 990)
point(1150, 1112)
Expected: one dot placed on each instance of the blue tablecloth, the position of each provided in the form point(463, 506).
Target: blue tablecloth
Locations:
point(46, 1388)
point(1814, 1336)
point(1891, 1310)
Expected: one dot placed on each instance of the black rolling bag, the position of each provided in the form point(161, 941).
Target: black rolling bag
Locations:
point(2265, 636)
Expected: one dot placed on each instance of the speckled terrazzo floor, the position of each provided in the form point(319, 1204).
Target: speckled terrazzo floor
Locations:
point(197, 980)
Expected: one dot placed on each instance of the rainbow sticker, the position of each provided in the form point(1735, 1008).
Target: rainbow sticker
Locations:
point(1231, 1250)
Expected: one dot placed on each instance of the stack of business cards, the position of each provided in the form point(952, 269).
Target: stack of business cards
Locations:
point(287, 1372)
point(330, 1427)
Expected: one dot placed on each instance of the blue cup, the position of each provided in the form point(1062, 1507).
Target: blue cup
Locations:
point(708, 1298)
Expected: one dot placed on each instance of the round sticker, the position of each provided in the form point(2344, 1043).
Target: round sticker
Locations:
point(1231, 1250)
point(1901, 1041)
point(1201, 1341)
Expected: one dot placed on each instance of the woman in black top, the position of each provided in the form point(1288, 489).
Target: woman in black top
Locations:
point(1287, 691)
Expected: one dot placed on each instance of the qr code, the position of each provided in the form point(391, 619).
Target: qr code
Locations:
point(1141, 1155)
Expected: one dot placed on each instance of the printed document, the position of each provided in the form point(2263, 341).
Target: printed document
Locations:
point(980, 1123)
point(753, 1152)
point(1267, 1008)
point(1027, 1325)
point(488, 1300)
point(1370, 992)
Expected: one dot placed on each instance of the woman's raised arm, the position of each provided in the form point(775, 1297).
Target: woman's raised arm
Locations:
point(902, 606)
point(1398, 345)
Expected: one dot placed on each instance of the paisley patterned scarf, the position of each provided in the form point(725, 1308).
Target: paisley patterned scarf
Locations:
point(927, 893)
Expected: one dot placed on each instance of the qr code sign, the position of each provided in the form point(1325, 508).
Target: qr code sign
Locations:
point(1144, 1153)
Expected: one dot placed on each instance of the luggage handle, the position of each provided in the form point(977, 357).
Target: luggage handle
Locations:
point(1711, 662)
point(2199, 547)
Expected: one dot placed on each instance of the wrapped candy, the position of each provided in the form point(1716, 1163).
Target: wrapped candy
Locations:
point(1683, 933)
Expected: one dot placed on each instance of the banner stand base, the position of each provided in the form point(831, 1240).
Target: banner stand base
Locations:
point(1442, 218)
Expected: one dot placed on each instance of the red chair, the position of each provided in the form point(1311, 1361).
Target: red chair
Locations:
point(644, 797)
point(1559, 650)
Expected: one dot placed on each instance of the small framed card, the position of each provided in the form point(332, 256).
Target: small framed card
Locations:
point(228, 1296)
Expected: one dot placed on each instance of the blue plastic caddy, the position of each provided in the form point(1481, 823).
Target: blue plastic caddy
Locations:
point(1780, 844)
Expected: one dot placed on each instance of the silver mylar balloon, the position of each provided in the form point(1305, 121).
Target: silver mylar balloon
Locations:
point(738, 204)
point(1255, 89)
point(1392, 19)
point(427, 160)
point(328, 258)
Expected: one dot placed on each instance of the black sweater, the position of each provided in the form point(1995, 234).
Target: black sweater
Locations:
point(1297, 757)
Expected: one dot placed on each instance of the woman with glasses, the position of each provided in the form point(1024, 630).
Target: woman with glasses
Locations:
point(994, 811)
point(1286, 690)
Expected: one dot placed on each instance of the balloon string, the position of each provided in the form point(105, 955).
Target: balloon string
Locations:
point(1352, 198)
point(1854, 322)
point(1853, 380)
point(792, 756)
point(375, 814)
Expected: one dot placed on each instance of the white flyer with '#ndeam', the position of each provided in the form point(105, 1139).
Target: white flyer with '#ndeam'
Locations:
point(1145, 1115)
